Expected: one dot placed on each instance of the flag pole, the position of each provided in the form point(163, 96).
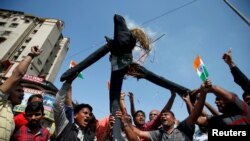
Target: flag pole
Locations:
point(204, 72)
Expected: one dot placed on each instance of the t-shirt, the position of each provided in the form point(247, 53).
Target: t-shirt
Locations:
point(181, 133)
point(240, 115)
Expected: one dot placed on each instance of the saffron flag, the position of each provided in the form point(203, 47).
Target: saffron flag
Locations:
point(73, 64)
point(200, 68)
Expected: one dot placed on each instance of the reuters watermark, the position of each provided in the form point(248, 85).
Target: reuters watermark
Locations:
point(239, 132)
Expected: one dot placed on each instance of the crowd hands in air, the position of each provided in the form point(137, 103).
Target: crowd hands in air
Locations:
point(78, 123)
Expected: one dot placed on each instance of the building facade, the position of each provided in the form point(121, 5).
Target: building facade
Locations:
point(20, 31)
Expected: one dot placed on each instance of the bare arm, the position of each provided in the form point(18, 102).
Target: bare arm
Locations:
point(189, 105)
point(122, 103)
point(222, 93)
point(154, 124)
point(192, 118)
point(20, 70)
point(212, 109)
point(142, 134)
point(170, 102)
point(130, 134)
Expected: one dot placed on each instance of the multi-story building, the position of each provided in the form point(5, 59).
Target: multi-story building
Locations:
point(18, 33)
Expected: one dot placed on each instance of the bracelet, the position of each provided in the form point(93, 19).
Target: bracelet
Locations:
point(31, 55)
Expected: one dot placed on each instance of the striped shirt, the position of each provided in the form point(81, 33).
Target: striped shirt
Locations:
point(25, 134)
point(7, 124)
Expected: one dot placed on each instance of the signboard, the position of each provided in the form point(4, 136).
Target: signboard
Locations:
point(48, 100)
point(33, 78)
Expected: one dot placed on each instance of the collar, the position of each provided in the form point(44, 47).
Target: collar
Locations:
point(38, 133)
point(77, 128)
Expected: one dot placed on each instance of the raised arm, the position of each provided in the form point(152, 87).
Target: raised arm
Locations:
point(69, 110)
point(212, 109)
point(142, 134)
point(132, 105)
point(196, 112)
point(126, 125)
point(155, 123)
point(187, 100)
point(59, 112)
point(20, 70)
point(170, 102)
point(122, 103)
point(239, 77)
point(59, 106)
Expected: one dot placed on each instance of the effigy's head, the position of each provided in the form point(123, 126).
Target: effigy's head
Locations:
point(125, 39)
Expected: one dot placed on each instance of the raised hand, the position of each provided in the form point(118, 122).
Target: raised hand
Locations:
point(131, 96)
point(35, 51)
point(206, 86)
point(227, 57)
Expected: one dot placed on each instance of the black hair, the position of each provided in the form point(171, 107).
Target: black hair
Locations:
point(139, 111)
point(92, 119)
point(245, 94)
point(169, 111)
point(34, 107)
point(33, 96)
point(77, 108)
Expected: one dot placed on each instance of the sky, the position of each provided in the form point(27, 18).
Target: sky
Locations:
point(207, 28)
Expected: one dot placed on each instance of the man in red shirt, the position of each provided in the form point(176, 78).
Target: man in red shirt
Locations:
point(20, 118)
point(33, 131)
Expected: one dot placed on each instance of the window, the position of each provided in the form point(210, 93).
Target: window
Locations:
point(39, 62)
point(20, 50)
point(5, 33)
point(23, 47)
point(3, 16)
point(16, 55)
point(26, 21)
point(27, 40)
point(34, 32)
point(14, 19)
point(2, 39)
point(2, 23)
point(14, 25)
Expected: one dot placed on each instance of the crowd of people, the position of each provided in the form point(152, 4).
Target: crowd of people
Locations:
point(77, 122)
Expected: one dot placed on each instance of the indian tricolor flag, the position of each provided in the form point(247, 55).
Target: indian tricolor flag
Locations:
point(73, 64)
point(200, 68)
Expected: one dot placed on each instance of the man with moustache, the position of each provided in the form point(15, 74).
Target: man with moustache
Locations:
point(11, 94)
point(32, 131)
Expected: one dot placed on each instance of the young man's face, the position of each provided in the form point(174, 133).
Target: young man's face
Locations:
point(16, 95)
point(82, 117)
point(220, 104)
point(34, 118)
point(139, 118)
